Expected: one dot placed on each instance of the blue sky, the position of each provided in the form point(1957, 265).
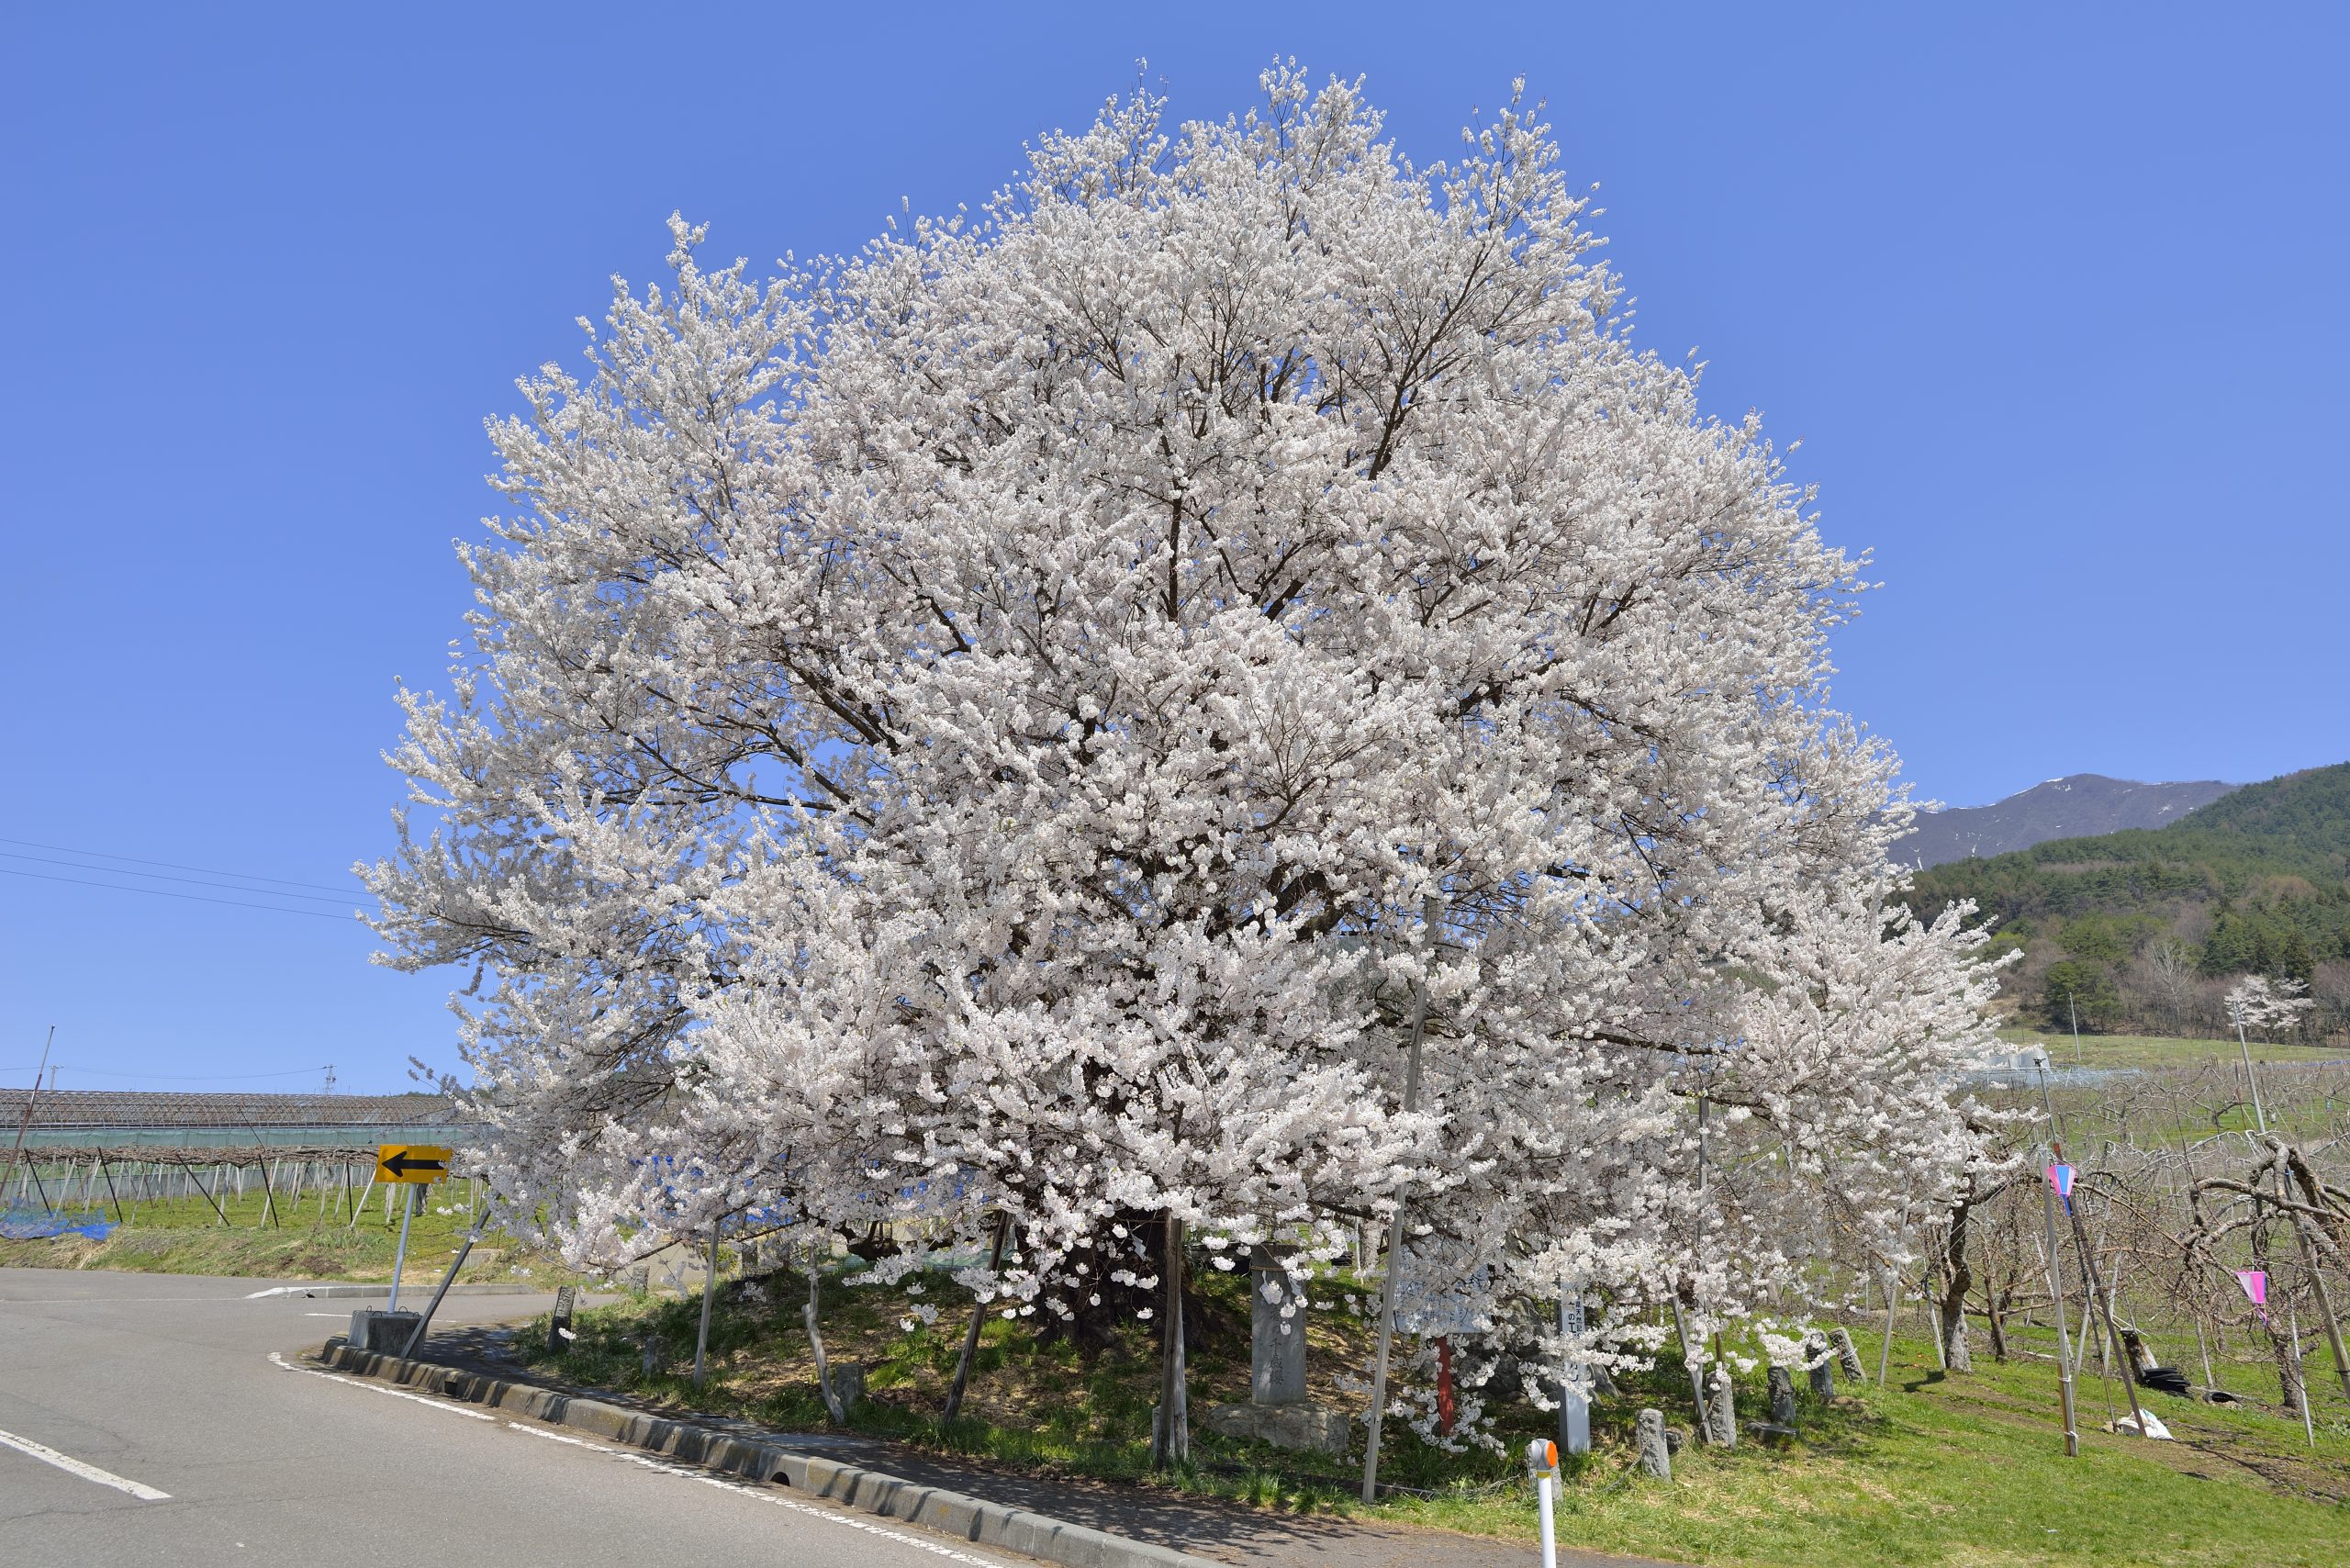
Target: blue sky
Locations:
point(2053, 295)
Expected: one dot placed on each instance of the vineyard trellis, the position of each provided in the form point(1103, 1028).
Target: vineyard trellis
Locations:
point(2209, 1210)
point(339, 1182)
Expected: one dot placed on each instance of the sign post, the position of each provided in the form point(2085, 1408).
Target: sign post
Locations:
point(1574, 1402)
point(417, 1165)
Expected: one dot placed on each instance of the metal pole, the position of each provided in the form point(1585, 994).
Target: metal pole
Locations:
point(2057, 1284)
point(1388, 1286)
point(2064, 1334)
point(2300, 1371)
point(416, 1335)
point(2098, 1298)
point(1892, 1305)
point(2075, 1012)
point(399, 1259)
point(110, 1192)
point(2259, 1116)
point(709, 1289)
point(32, 1099)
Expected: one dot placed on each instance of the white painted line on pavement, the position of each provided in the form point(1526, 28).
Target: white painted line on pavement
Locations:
point(284, 1364)
point(763, 1495)
point(47, 1455)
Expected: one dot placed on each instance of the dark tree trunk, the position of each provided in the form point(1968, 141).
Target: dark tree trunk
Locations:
point(1170, 1438)
point(979, 1320)
point(1957, 1281)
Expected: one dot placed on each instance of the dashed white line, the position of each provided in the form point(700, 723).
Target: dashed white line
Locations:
point(280, 1362)
point(47, 1455)
point(765, 1497)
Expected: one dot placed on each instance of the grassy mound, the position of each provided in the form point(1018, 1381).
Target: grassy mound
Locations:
point(1933, 1468)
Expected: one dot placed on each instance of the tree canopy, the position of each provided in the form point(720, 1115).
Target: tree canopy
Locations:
point(1039, 716)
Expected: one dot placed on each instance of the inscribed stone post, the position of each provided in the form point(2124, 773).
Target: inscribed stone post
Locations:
point(1575, 1405)
point(1276, 1342)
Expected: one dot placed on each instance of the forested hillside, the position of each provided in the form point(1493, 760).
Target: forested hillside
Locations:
point(2147, 929)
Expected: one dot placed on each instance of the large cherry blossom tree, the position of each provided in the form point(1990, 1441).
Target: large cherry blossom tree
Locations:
point(1035, 718)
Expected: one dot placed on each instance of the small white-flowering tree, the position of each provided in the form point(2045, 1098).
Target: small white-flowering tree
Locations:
point(2257, 1002)
point(1034, 718)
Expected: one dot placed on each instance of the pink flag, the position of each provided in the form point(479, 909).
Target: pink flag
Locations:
point(2061, 1178)
point(2255, 1285)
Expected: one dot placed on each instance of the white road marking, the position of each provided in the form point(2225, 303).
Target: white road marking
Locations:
point(762, 1495)
point(281, 1363)
point(47, 1455)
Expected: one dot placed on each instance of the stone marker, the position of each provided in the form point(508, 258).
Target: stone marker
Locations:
point(848, 1385)
point(1276, 1343)
point(1655, 1458)
point(1848, 1355)
point(1783, 1398)
point(1721, 1414)
point(559, 1321)
point(1278, 1411)
point(1303, 1425)
point(638, 1281)
point(1816, 1352)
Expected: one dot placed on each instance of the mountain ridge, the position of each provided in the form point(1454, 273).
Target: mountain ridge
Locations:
point(2152, 926)
point(2079, 805)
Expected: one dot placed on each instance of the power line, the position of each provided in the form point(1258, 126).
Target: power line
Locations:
point(169, 865)
point(167, 893)
point(188, 1077)
point(167, 876)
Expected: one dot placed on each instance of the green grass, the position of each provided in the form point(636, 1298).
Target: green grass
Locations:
point(1941, 1469)
point(185, 1237)
point(1933, 1470)
point(2158, 1051)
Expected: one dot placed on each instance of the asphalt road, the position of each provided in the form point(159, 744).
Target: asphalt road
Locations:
point(114, 1387)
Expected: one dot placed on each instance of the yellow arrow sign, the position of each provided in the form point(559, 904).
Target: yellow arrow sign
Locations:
point(412, 1162)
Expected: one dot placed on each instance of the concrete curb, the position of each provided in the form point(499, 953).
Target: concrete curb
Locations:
point(871, 1491)
point(386, 1290)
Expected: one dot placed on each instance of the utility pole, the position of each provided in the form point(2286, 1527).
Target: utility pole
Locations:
point(2075, 1012)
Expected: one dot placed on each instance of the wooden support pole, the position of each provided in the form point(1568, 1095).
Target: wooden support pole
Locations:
point(978, 1317)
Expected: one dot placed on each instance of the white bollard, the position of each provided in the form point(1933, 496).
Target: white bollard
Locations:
point(1542, 1460)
